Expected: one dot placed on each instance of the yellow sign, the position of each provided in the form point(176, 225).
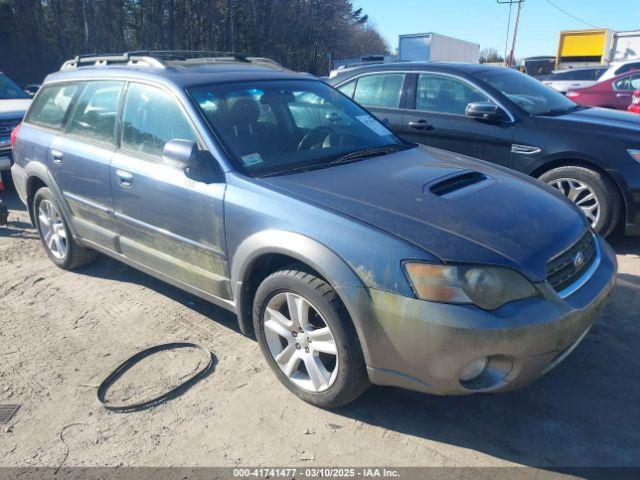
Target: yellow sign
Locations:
point(588, 43)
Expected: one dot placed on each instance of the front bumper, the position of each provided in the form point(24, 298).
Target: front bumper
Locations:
point(425, 346)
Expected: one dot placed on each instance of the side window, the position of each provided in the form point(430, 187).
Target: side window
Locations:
point(381, 90)
point(94, 116)
point(635, 82)
point(348, 88)
point(623, 84)
point(150, 119)
point(51, 105)
point(445, 94)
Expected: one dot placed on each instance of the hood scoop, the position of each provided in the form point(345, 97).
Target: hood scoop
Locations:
point(459, 184)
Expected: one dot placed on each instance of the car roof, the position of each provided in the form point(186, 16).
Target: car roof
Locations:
point(445, 67)
point(180, 73)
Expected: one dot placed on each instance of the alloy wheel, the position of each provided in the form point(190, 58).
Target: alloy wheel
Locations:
point(52, 229)
point(300, 342)
point(582, 195)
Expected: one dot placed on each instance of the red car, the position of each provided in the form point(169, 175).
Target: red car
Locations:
point(613, 93)
point(635, 102)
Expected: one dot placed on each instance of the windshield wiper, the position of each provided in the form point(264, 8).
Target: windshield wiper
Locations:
point(349, 157)
point(370, 152)
point(561, 111)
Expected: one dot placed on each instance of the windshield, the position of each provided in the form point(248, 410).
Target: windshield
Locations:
point(273, 127)
point(527, 92)
point(9, 90)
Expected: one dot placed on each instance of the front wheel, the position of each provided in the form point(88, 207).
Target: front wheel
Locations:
point(595, 194)
point(308, 339)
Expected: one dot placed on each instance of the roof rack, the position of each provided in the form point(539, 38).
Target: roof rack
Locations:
point(153, 58)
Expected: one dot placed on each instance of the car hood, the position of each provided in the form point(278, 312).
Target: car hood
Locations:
point(454, 207)
point(603, 117)
point(14, 108)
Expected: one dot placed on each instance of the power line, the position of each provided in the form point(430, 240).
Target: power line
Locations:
point(570, 15)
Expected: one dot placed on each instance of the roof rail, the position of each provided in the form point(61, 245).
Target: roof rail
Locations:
point(146, 58)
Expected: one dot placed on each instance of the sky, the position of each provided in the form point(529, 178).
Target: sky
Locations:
point(485, 22)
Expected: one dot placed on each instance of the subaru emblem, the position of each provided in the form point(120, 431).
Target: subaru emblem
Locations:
point(578, 259)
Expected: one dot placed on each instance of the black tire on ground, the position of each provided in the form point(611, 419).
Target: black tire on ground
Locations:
point(352, 379)
point(76, 255)
point(603, 187)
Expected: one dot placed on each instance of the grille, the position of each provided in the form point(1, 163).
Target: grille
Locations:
point(563, 269)
point(7, 125)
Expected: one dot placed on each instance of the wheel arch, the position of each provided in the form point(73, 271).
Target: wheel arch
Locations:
point(263, 253)
point(38, 176)
point(579, 161)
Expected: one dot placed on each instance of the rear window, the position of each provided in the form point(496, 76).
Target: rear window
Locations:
point(51, 105)
point(94, 117)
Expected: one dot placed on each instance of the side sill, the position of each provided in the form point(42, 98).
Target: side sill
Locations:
point(226, 304)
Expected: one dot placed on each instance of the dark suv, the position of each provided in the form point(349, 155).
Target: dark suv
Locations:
point(13, 104)
point(591, 155)
point(354, 256)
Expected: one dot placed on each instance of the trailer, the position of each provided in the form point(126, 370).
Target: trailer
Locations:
point(626, 46)
point(433, 47)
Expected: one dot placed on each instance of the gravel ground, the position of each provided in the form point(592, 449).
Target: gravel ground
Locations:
point(62, 332)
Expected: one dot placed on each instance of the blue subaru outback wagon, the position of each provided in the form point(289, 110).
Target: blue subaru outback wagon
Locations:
point(353, 256)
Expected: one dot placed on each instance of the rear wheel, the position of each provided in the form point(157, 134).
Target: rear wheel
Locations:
point(308, 339)
point(62, 249)
point(595, 194)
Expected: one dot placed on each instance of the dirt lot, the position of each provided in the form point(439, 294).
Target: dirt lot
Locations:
point(61, 333)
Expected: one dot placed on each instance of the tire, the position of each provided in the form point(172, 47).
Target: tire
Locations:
point(65, 253)
point(603, 188)
point(339, 385)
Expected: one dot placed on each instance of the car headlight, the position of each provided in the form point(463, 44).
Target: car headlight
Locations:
point(635, 154)
point(487, 287)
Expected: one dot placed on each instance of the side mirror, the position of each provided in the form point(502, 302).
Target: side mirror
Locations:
point(186, 156)
point(180, 154)
point(487, 111)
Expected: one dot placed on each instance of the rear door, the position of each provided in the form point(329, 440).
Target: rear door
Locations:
point(80, 159)
point(623, 90)
point(381, 94)
point(168, 222)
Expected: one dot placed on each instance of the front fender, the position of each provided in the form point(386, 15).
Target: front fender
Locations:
point(310, 252)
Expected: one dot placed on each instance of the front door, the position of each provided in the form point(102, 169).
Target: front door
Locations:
point(438, 119)
point(168, 222)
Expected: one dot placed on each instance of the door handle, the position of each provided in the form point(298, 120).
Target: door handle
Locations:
point(125, 179)
point(622, 95)
point(57, 157)
point(421, 124)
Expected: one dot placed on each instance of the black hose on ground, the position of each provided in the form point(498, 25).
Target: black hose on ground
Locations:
point(174, 392)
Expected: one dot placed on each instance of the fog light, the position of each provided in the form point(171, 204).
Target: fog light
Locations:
point(473, 370)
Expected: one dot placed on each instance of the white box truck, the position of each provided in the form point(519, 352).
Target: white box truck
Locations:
point(626, 46)
point(433, 47)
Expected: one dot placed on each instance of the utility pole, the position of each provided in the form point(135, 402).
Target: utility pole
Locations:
point(510, 60)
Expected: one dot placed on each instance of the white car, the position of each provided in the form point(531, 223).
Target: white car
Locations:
point(14, 102)
point(616, 68)
point(565, 80)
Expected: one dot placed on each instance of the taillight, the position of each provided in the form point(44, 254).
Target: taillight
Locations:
point(14, 134)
